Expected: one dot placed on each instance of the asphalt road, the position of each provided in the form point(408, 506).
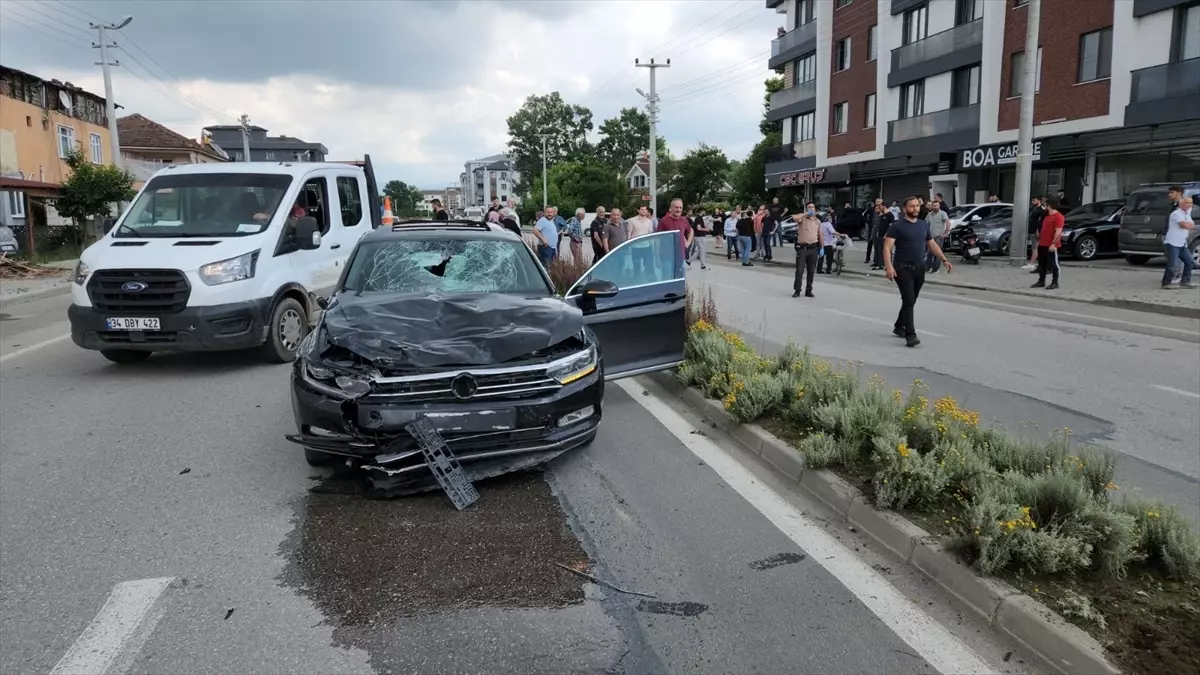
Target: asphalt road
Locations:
point(1126, 380)
point(154, 514)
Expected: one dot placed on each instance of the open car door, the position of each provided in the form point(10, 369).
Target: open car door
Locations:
point(635, 301)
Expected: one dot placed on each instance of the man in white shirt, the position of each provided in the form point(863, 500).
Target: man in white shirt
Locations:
point(1175, 241)
point(643, 252)
point(731, 247)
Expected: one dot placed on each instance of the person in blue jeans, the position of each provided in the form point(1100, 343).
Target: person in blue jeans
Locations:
point(1175, 243)
point(745, 231)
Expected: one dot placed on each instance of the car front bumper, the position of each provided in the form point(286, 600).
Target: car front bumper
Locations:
point(489, 437)
point(238, 325)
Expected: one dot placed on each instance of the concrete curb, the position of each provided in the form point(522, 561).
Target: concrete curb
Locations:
point(18, 298)
point(1064, 647)
point(1135, 305)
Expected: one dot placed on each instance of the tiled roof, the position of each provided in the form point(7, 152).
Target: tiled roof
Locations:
point(137, 131)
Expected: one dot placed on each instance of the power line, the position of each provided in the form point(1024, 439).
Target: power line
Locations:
point(37, 9)
point(755, 62)
point(33, 28)
point(12, 7)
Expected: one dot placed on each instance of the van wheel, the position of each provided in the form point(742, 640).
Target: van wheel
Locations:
point(318, 458)
point(288, 326)
point(124, 355)
point(1137, 259)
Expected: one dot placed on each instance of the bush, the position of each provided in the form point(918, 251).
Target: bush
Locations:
point(564, 273)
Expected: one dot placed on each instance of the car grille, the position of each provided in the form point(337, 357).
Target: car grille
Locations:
point(166, 291)
point(499, 384)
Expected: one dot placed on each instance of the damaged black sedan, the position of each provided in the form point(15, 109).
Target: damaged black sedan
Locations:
point(459, 324)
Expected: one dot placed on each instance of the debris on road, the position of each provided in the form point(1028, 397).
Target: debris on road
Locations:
point(16, 269)
point(185, 470)
point(228, 613)
point(601, 582)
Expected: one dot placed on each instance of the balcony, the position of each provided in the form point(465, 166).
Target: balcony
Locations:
point(793, 44)
point(793, 101)
point(939, 53)
point(1145, 7)
point(798, 150)
point(1162, 94)
point(942, 131)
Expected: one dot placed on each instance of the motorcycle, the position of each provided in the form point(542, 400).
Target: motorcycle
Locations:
point(970, 246)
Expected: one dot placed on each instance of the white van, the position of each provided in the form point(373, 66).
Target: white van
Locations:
point(205, 259)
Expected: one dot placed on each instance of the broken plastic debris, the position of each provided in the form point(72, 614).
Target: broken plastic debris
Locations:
point(185, 470)
point(228, 613)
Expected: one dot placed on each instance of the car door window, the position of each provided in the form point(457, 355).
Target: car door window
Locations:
point(350, 199)
point(646, 260)
point(314, 199)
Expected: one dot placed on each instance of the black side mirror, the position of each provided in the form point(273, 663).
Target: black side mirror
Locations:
point(599, 288)
point(308, 234)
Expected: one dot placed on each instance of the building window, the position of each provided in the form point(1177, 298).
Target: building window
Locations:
point(841, 112)
point(804, 12)
point(66, 141)
point(805, 70)
point(912, 99)
point(869, 106)
point(805, 127)
point(16, 204)
point(1018, 65)
point(841, 56)
point(1095, 55)
point(966, 11)
point(1019, 3)
point(964, 87)
point(843, 3)
point(872, 43)
point(97, 148)
point(916, 24)
point(1189, 33)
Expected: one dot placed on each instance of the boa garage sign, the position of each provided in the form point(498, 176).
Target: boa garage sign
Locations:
point(994, 155)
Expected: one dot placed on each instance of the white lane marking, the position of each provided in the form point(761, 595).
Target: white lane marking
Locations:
point(709, 282)
point(1173, 390)
point(102, 641)
point(931, 640)
point(34, 347)
point(881, 322)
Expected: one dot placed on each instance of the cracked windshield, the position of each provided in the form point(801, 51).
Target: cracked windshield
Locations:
point(819, 337)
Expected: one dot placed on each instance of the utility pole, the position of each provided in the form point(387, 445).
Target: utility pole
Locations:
point(244, 121)
point(110, 107)
point(545, 187)
point(1029, 72)
point(652, 113)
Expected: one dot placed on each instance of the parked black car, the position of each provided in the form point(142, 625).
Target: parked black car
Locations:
point(460, 323)
point(1090, 231)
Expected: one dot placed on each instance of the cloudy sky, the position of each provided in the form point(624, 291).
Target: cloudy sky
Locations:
point(421, 85)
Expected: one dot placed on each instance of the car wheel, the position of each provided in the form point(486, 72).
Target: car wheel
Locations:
point(1086, 248)
point(1196, 251)
point(124, 355)
point(318, 458)
point(1137, 259)
point(288, 326)
point(1002, 246)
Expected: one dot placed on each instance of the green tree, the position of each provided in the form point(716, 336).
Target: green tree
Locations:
point(405, 197)
point(700, 175)
point(749, 183)
point(565, 125)
point(773, 85)
point(625, 137)
point(92, 189)
point(585, 184)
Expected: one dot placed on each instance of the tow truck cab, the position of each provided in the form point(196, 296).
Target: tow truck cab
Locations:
point(206, 258)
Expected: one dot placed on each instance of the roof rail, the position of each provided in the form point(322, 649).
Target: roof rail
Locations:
point(439, 224)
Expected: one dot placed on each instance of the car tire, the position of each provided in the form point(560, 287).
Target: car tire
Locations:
point(1195, 247)
point(1086, 248)
point(124, 355)
point(1138, 259)
point(318, 458)
point(1002, 245)
point(287, 327)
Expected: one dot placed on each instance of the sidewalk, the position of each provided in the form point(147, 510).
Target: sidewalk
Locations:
point(1136, 288)
point(23, 290)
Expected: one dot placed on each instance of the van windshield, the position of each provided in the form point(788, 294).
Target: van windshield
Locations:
point(205, 205)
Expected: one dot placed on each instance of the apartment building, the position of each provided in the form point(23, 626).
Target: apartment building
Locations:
point(890, 98)
point(264, 148)
point(488, 177)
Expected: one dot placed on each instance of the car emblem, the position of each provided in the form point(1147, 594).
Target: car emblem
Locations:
point(464, 386)
point(133, 287)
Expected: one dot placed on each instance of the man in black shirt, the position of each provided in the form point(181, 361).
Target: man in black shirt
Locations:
point(904, 250)
point(881, 220)
point(438, 212)
point(745, 230)
point(775, 213)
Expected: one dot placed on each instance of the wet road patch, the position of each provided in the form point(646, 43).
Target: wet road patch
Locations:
point(777, 560)
point(364, 562)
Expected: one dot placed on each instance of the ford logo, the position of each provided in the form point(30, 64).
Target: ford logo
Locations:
point(133, 287)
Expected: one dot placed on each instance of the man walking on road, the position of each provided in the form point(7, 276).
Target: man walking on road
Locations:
point(904, 250)
point(808, 246)
point(1049, 240)
point(674, 220)
point(1175, 244)
point(939, 227)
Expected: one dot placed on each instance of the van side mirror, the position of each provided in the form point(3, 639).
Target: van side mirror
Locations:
point(308, 234)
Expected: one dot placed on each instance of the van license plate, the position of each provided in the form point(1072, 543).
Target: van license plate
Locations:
point(134, 324)
point(1147, 235)
point(8, 247)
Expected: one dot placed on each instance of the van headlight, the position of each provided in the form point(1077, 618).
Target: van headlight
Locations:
point(571, 368)
point(233, 269)
point(81, 272)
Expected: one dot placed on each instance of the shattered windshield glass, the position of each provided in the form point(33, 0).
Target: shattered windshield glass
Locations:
point(445, 266)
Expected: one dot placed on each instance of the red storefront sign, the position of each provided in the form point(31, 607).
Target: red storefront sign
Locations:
point(802, 177)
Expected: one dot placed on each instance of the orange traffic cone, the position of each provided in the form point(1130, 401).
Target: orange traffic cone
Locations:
point(387, 211)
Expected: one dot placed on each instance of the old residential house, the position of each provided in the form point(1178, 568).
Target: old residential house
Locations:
point(147, 146)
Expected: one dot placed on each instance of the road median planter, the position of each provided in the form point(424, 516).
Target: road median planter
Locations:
point(1009, 527)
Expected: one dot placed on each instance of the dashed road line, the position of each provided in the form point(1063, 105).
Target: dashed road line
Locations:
point(104, 639)
point(34, 347)
point(1173, 390)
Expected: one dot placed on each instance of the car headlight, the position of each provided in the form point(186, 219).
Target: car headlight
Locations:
point(332, 383)
point(233, 269)
point(81, 272)
point(571, 368)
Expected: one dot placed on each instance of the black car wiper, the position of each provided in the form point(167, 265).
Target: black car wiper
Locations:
point(125, 227)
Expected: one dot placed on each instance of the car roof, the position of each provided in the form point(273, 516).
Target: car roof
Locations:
point(442, 229)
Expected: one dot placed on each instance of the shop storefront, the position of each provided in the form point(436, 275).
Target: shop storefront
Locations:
point(992, 170)
point(805, 184)
point(1119, 173)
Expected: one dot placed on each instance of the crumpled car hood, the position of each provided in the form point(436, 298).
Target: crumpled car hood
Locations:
point(442, 330)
